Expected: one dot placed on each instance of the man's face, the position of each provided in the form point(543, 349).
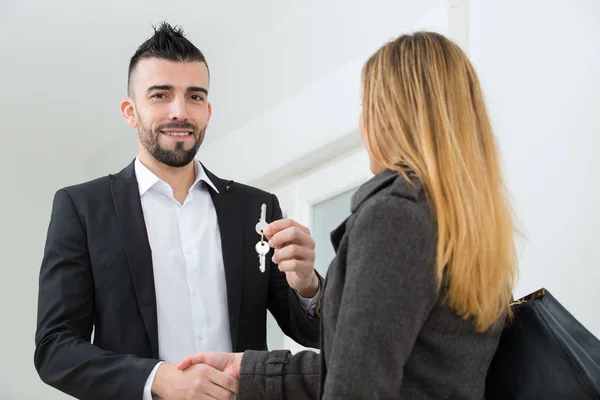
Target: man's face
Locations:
point(170, 109)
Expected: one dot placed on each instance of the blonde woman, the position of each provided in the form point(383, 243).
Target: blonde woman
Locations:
point(420, 287)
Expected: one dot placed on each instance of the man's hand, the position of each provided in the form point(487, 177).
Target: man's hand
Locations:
point(200, 381)
point(229, 363)
point(295, 255)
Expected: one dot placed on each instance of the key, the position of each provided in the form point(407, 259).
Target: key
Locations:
point(262, 248)
point(262, 222)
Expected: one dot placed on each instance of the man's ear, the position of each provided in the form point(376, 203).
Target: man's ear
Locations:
point(128, 112)
point(209, 114)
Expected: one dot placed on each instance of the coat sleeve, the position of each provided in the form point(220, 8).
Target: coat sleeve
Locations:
point(388, 292)
point(64, 357)
point(279, 375)
point(284, 304)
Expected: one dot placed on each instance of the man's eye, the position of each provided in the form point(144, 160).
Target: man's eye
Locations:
point(158, 96)
point(197, 97)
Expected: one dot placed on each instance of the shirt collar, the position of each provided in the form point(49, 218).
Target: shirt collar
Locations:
point(146, 179)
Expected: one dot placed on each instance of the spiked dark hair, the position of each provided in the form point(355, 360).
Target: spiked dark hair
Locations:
point(167, 43)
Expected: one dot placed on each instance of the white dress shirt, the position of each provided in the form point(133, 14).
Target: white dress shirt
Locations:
point(188, 269)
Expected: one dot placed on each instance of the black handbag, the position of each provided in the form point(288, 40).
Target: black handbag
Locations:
point(544, 353)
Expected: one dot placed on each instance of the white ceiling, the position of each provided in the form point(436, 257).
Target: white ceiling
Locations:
point(65, 61)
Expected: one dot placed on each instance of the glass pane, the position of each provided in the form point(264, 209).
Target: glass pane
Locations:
point(275, 336)
point(326, 216)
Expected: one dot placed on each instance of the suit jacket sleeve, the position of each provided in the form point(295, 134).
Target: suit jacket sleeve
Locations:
point(64, 356)
point(290, 315)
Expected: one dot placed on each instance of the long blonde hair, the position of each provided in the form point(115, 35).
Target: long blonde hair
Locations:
point(423, 108)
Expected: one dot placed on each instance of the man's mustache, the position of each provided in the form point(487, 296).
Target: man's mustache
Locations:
point(177, 125)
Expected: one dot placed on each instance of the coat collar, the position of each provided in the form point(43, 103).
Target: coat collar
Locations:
point(388, 180)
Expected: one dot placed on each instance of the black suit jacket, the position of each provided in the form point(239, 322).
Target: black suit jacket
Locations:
point(96, 274)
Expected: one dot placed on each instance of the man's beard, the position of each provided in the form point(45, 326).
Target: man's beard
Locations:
point(177, 157)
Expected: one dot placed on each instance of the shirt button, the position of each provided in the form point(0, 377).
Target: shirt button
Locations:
point(200, 337)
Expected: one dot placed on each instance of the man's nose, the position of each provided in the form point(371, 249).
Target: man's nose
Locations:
point(178, 110)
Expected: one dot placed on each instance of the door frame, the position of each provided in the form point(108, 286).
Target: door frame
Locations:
point(299, 195)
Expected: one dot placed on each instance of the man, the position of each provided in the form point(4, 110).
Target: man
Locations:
point(159, 260)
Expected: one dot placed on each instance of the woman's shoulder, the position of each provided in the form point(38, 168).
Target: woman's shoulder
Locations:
point(390, 201)
point(394, 223)
point(392, 239)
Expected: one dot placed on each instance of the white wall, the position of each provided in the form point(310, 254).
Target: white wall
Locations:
point(540, 67)
point(319, 121)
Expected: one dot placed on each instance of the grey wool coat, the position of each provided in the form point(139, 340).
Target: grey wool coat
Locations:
point(386, 332)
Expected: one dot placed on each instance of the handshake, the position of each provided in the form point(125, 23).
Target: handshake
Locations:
point(208, 375)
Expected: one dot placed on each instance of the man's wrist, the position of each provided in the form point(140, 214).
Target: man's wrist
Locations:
point(163, 380)
point(312, 290)
point(149, 381)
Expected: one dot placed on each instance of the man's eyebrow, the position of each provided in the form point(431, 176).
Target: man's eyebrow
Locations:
point(159, 87)
point(170, 87)
point(197, 89)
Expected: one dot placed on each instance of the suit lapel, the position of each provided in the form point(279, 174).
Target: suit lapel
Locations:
point(128, 206)
point(231, 230)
